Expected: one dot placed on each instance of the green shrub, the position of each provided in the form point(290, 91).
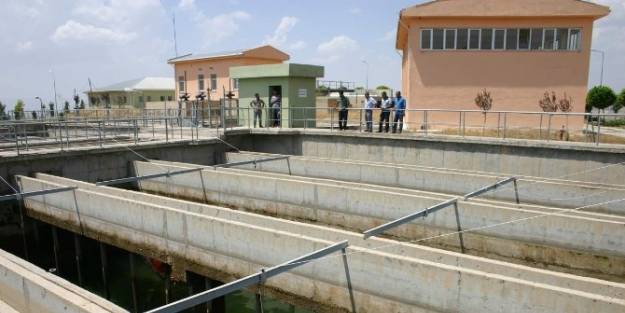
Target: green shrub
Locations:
point(620, 101)
point(613, 123)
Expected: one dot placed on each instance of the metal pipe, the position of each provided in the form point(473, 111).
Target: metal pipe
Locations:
point(489, 188)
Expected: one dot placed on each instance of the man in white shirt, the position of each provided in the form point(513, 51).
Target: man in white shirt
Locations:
point(369, 104)
point(386, 104)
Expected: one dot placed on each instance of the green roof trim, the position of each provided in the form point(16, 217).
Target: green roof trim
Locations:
point(277, 70)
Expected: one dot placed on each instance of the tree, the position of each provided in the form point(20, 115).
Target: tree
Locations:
point(66, 107)
point(3, 114)
point(76, 101)
point(382, 87)
point(82, 104)
point(566, 104)
point(600, 97)
point(484, 102)
point(620, 102)
point(19, 109)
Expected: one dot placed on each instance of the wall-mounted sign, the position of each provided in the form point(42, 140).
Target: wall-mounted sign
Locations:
point(302, 93)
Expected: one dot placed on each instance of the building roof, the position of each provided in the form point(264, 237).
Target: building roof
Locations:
point(277, 70)
point(262, 52)
point(497, 9)
point(141, 84)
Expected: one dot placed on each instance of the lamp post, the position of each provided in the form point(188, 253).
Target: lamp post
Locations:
point(56, 106)
point(602, 62)
point(366, 75)
point(42, 108)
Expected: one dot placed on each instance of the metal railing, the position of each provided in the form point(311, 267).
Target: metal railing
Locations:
point(105, 127)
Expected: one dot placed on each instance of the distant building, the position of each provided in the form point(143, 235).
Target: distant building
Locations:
point(210, 73)
point(516, 49)
point(136, 93)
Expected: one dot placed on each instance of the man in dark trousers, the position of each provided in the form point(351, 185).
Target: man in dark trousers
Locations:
point(258, 105)
point(343, 104)
point(386, 104)
point(400, 110)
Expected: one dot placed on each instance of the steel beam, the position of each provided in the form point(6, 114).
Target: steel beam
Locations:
point(34, 193)
point(491, 187)
point(251, 280)
point(392, 224)
point(185, 171)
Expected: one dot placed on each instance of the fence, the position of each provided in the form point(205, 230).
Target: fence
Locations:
point(103, 127)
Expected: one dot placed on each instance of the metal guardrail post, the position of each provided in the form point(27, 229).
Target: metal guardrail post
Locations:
point(136, 131)
point(331, 119)
point(459, 123)
point(25, 138)
point(498, 123)
point(549, 127)
point(597, 139)
point(505, 124)
point(99, 132)
point(360, 122)
point(425, 121)
point(166, 130)
point(17, 142)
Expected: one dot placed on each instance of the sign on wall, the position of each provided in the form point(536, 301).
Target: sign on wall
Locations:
point(302, 93)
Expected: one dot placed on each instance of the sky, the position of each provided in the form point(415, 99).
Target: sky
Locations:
point(109, 41)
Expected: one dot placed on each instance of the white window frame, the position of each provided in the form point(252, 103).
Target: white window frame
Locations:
point(445, 38)
point(184, 84)
point(553, 44)
point(505, 32)
point(431, 39)
point(202, 80)
point(529, 41)
point(479, 39)
point(579, 40)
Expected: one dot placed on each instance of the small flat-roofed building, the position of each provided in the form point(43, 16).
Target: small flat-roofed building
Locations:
point(135, 93)
point(210, 72)
point(515, 49)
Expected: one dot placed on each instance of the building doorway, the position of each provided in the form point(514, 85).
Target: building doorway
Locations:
point(275, 111)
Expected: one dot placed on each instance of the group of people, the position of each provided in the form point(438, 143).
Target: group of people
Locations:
point(386, 105)
point(275, 103)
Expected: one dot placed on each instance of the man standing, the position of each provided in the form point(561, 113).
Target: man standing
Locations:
point(275, 104)
point(369, 105)
point(386, 104)
point(400, 110)
point(258, 105)
point(343, 105)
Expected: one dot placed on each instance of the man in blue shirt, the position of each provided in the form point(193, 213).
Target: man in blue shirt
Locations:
point(400, 111)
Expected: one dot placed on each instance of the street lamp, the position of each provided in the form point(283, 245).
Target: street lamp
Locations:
point(602, 62)
point(367, 74)
point(42, 108)
point(56, 106)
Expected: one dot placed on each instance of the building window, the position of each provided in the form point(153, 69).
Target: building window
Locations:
point(512, 38)
point(524, 39)
point(213, 82)
point(537, 39)
point(140, 99)
point(549, 39)
point(474, 39)
point(235, 83)
point(149, 98)
point(499, 40)
point(439, 39)
point(575, 36)
point(169, 98)
point(450, 39)
point(162, 98)
point(181, 86)
point(200, 83)
point(487, 39)
point(462, 42)
point(426, 39)
point(562, 38)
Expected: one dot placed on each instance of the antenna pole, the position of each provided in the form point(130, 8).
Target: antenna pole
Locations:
point(173, 18)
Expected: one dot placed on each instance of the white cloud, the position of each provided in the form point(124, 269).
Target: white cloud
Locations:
point(355, 11)
point(24, 46)
point(388, 36)
point(115, 11)
point(299, 45)
point(75, 31)
point(222, 26)
point(337, 48)
point(185, 4)
point(281, 33)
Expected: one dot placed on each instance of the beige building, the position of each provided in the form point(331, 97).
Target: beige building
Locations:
point(516, 49)
point(137, 93)
point(210, 73)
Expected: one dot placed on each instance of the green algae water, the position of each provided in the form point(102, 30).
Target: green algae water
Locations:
point(114, 281)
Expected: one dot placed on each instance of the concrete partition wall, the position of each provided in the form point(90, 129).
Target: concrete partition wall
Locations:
point(558, 241)
point(585, 284)
point(382, 282)
point(573, 161)
point(27, 288)
point(537, 190)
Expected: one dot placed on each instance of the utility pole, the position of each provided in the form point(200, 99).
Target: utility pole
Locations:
point(602, 62)
point(56, 106)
